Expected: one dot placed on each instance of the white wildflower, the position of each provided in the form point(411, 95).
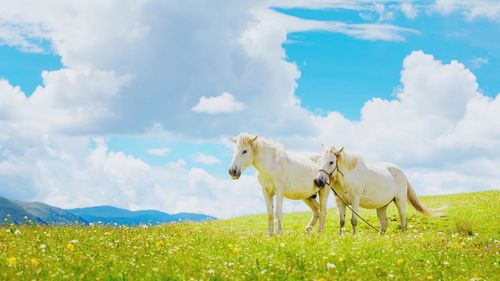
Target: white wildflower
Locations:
point(330, 265)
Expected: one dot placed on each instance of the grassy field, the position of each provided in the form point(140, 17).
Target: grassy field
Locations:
point(464, 245)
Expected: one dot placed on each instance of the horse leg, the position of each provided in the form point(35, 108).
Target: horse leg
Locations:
point(269, 206)
point(354, 217)
point(313, 204)
point(401, 203)
point(279, 208)
point(382, 216)
point(323, 200)
point(341, 207)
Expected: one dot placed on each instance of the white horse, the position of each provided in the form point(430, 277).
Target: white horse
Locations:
point(369, 185)
point(281, 173)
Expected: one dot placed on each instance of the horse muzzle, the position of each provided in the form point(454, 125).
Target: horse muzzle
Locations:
point(234, 173)
point(319, 182)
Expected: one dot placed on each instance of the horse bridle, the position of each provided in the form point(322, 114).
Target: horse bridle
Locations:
point(331, 174)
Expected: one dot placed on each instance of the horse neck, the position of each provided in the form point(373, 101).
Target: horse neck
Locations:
point(347, 163)
point(264, 156)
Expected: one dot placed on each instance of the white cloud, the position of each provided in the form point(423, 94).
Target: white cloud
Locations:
point(158, 151)
point(225, 103)
point(365, 31)
point(439, 121)
point(70, 100)
point(383, 13)
point(477, 62)
point(408, 9)
point(240, 51)
point(206, 159)
point(321, 4)
point(129, 65)
point(26, 37)
point(489, 9)
point(67, 173)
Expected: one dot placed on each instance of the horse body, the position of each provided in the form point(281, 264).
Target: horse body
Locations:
point(292, 171)
point(371, 185)
point(282, 174)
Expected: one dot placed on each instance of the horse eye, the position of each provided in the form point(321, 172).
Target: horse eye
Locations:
point(244, 151)
point(331, 162)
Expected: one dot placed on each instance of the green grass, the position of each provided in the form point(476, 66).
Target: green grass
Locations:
point(464, 245)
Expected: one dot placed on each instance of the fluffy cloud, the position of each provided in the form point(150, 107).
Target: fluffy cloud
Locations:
point(26, 37)
point(69, 101)
point(225, 103)
point(128, 50)
point(158, 151)
point(439, 125)
point(69, 173)
point(489, 9)
point(206, 159)
point(129, 65)
point(477, 62)
point(409, 10)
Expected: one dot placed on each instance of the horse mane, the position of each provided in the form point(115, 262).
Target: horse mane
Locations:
point(246, 138)
point(347, 159)
point(277, 148)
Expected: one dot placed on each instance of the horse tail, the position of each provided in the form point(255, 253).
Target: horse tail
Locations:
point(412, 197)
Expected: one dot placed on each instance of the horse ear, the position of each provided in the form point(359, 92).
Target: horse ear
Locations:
point(254, 139)
point(232, 139)
point(339, 151)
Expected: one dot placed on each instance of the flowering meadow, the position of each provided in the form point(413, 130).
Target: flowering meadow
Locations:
point(463, 245)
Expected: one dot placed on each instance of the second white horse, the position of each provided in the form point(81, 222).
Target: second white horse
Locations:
point(371, 185)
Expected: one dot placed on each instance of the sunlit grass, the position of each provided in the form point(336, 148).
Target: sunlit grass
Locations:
point(464, 245)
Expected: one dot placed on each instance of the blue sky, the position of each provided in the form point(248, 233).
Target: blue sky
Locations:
point(24, 69)
point(338, 72)
point(349, 71)
point(148, 94)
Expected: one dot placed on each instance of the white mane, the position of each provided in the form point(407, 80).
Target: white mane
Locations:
point(246, 138)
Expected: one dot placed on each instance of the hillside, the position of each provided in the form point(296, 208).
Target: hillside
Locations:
point(463, 245)
point(15, 213)
point(109, 214)
point(19, 212)
point(50, 214)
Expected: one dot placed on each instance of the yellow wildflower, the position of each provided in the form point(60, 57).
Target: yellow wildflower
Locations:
point(11, 261)
point(399, 262)
point(429, 277)
point(341, 259)
point(34, 261)
point(236, 250)
point(70, 247)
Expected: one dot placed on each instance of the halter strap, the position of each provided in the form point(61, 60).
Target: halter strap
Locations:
point(330, 174)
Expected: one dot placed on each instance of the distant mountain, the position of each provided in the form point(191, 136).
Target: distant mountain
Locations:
point(192, 217)
point(39, 213)
point(49, 214)
point(109, 214)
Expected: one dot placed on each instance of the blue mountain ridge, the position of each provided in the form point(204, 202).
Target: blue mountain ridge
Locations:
point(19, 212)
point(110, 214)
